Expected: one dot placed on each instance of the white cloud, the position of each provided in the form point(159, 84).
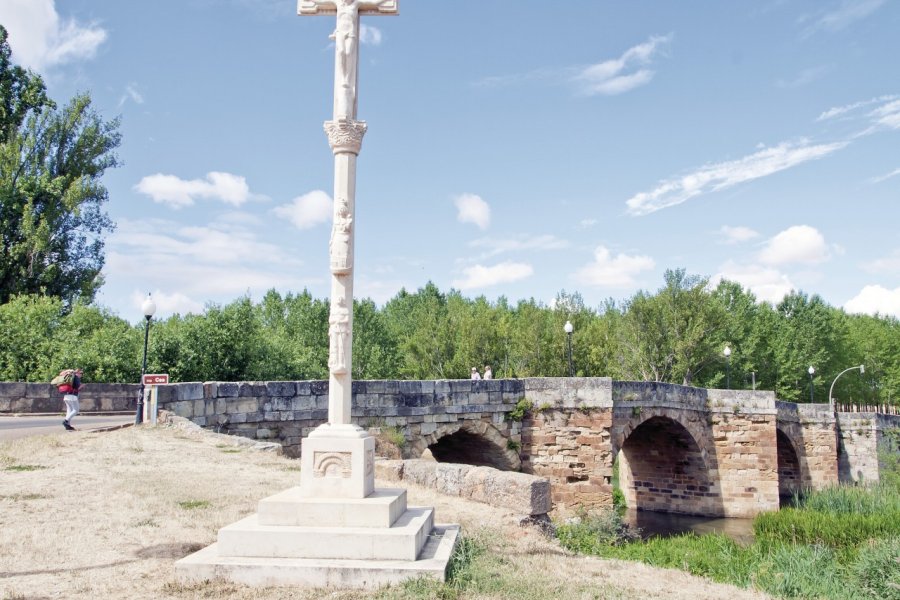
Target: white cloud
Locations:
point(479, 276)
point(800, 244)
point(737, 235)
point(613, 271)
point(496, 246)
point(888, 264)
point(308, 210)
point(881, 178)
point(874, 299)
point(721, 176)
point(178, 193)
point(472, 209)
point(369, 35)
point(609, 77)
point(585, 223)
point(847, 13)
point(40, 39)
point(766, 283)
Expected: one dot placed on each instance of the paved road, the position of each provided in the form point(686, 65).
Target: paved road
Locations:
point(18, 427)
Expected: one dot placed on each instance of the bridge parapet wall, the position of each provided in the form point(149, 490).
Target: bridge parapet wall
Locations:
point(289, 410)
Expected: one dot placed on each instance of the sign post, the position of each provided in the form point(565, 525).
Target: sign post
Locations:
point(151, 402)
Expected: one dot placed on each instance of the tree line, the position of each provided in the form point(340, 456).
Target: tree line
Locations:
point(676, 334)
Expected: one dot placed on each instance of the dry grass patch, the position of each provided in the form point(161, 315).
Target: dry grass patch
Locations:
point(111, 512)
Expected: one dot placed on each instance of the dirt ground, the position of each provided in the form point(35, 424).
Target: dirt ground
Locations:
point(106, 515)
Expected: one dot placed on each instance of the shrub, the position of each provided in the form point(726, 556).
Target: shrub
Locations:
point(522, 408)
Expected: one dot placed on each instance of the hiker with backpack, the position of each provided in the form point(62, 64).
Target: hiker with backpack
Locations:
point(68, 382)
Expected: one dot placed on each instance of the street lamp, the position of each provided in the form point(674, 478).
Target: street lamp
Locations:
point(811, 370)
point(148, 308)
point(568, 329)
point(727, 353)
point(862, 370)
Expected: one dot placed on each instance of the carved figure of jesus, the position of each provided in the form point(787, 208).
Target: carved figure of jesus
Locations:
point(346, 38)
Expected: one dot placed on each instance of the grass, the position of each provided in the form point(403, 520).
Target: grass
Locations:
point(194, 504)
point(838, 543)
point(24, 468)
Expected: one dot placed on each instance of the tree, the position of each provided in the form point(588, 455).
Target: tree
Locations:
point(51, 196)
point(673, 335)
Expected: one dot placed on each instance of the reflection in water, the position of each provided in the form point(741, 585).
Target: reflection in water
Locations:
point(661, 524)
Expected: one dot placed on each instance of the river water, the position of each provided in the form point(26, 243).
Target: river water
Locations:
point(660, 524)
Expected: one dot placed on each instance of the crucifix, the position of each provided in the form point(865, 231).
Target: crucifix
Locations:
point(345, 135)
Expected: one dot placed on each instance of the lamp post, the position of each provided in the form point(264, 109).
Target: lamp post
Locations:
point(862, 370)
point(727, 353)
point(568, 329)
point(811, 370)
point(148, 308)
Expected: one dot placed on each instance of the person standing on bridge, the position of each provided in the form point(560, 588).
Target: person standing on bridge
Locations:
point(70, 398)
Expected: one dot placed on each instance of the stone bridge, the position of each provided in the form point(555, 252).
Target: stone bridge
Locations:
point(675, 448)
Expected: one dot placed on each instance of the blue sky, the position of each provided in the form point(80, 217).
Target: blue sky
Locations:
point(515, 147)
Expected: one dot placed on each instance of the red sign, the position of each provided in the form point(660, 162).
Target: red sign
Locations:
point(160, 379)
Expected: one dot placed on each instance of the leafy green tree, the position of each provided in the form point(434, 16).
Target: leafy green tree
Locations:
point(807, 332)
point(673, 335)
point(374, 349)
point(420, 324)
point(29, 341)
point(51, 195)
point(107, 347)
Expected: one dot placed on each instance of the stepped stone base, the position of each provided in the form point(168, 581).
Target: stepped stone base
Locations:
point(335, 529)
point(308, 572)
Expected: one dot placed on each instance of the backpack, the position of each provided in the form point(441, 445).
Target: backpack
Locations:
point(65, 377)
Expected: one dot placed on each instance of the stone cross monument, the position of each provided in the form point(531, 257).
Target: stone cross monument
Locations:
point(335, 528)
point(345, 135)
point(338, 446)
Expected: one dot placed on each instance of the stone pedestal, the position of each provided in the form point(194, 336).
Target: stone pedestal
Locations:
point(335, 529)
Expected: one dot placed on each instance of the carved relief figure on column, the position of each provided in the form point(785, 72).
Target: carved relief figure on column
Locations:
point(340, 245)
point(338, 336)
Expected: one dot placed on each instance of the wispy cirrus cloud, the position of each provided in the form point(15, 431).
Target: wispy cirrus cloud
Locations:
point(40, 39)
point(178, 193)
point(480, 276)
point(885, 177)
point(619, 271)
point(132, 94)
point(622, 74)
point(495, 246)
point(609, 77)
point(842, 15)
point(721, 176)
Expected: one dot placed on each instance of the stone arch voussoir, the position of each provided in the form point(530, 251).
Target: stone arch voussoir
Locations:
point(506, 458)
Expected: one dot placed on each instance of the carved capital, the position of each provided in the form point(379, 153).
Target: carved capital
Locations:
point(345, 135)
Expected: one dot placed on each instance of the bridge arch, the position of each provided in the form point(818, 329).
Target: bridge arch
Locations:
point(478, 444)
point(664, 466)
point(793, 472)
